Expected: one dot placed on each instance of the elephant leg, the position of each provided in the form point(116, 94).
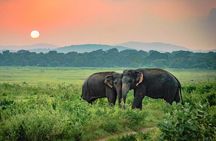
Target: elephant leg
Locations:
point(111, 96)
point(112, 99)
point(119, 100)
point(172, 95)
point(139, 94)
point(137, 102)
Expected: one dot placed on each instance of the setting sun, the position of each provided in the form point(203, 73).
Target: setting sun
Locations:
point(35, 34)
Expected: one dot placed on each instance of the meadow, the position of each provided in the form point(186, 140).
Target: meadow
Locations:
point(43, 103)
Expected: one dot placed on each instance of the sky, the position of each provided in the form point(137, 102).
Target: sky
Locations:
point(188, 23)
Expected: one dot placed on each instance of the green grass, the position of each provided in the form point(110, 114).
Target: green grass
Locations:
point(47, 75)
point(53, 75)
point(44, 104)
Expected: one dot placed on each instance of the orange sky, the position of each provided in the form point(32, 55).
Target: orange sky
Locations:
point(64, 22)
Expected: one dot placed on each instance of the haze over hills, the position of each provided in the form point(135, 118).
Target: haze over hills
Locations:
point(88, 48)
point(157, 46)
point(72, 48)
point(42, 46)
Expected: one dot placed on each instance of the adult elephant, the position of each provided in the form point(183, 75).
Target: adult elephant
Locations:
point(154, 83)
point(102, 84)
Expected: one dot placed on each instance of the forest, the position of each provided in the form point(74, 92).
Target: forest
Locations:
point(111, 58)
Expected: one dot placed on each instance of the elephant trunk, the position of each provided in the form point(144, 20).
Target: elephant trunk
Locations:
point(119, 95)
point(125, 89)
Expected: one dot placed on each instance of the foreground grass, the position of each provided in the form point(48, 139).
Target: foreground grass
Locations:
point(45, 104)
point(50, 113)
point(47, 113)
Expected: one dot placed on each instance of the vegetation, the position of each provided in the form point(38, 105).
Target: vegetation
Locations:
point(70, 75)
point(31, 109)
point(196, 119)
point(110, 58)
point(48, 113)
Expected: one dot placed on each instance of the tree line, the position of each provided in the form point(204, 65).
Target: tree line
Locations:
point(110, 58)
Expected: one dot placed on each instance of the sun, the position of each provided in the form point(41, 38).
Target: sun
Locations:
point(35, 34)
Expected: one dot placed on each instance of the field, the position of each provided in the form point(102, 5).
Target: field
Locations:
point(39, 103)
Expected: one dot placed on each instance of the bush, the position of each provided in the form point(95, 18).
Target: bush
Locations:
point(110, 126)
point(133, 118)
point(211, 98)
point(139, 136)
point(5, 103)
point(188, 122)
point(189, 89)
point(37, 125)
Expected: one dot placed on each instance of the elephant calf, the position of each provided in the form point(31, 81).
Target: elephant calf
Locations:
point(102, 84)
point(154, 83)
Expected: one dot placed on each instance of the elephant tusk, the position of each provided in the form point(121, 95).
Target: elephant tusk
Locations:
point(140, 80)
point(109, 85)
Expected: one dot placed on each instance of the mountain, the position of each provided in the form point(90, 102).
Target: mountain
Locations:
point(158, 46)
point(72, 48)
point(88, 48)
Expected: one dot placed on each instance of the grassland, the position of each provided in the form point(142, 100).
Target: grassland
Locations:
point(53, 75)
point(39, 103)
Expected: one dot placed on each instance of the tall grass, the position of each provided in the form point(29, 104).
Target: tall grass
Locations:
point(45, 104)
point(57, 112)
point(47, 113)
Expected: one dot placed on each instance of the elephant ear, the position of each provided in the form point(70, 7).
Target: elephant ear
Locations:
point(139, 78)
point(109, 81)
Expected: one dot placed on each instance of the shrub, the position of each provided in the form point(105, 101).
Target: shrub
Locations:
point(206, 88)
point(188, 122)
point(110, 126)
point(4, 103)
point(211, 98)
point(189, 89)
point(139, 136)
point(133, 118)
point(127, 138)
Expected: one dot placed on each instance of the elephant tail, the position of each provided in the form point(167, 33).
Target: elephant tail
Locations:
point(179, 86)
point(180, 93)
point(84, 90)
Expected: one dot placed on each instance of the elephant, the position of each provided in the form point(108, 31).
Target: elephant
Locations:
point(152, 82)
point(103, 84)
